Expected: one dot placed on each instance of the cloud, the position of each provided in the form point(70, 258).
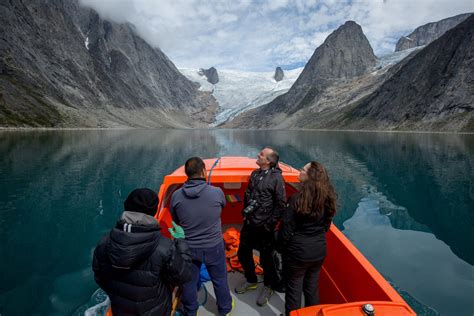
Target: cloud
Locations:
point(262, 34)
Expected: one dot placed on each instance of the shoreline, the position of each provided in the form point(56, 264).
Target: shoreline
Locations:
point(28, 129)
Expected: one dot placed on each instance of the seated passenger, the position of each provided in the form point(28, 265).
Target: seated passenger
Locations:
point(137, 266)
point(197, 207)
point(302, 238)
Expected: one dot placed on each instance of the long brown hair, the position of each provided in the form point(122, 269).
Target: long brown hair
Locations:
point(317, 196)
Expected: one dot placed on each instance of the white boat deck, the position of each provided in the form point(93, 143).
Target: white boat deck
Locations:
point(244, 304)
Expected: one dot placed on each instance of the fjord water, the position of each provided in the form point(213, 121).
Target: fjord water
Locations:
point(406, 201)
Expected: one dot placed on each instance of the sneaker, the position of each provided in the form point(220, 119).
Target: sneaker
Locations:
point(264, 296)
point(246, 286)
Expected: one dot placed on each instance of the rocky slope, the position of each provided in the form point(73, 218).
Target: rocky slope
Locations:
point(62, 65)
point(434, 90)
point(427, 33)
point(344, 55)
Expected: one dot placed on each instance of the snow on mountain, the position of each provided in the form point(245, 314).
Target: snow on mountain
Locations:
point(394, 58)
point(240, 91)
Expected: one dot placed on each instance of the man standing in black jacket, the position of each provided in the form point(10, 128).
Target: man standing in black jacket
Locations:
point(263, 206)
point(136, 265)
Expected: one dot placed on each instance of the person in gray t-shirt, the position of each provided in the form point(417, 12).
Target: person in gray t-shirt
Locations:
point(197, 208)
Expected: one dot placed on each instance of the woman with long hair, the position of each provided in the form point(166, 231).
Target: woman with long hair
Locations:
point(302, 238)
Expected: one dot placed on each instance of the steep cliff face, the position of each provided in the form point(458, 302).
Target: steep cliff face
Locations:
point(432, 91)
point(427, 33)
point(62, 65)
point(344, 55)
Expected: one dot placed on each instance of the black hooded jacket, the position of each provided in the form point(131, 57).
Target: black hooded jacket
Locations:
point(138, 267)
point(268, 189)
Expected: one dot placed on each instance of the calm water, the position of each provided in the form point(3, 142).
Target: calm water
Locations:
point(406, 201)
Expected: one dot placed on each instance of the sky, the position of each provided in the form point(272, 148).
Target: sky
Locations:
point(260, 35)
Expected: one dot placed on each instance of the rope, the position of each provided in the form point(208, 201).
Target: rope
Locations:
point(210, 170)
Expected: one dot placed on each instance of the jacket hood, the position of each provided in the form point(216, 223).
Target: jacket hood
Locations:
point(275, 169)
point(193, 187)
point(133, 240)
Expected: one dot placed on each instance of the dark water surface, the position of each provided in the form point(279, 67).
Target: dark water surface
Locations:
point(406, 201)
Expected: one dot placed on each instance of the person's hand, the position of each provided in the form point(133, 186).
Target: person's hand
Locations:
point(176, 231)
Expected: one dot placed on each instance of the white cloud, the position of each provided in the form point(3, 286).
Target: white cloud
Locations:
point(262, 34)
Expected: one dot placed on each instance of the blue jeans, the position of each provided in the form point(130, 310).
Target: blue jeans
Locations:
point(214, 259)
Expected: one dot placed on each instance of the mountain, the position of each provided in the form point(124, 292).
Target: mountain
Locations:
point(428, 88)
point(62, 65)
point(344, 55)
point(427, 33)
point(279, 74)
point(434, 90)
point(240, 91)
point(211, 75)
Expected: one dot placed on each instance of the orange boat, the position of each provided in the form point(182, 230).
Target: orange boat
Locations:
point(348, 281)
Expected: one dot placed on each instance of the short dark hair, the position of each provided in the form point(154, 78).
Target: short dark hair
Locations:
point(273, 157)
point(194, 167)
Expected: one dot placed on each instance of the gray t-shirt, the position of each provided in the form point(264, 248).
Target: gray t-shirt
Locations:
point(197, 207)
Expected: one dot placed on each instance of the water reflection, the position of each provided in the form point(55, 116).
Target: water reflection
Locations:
point(61, 190)
point(411, 257)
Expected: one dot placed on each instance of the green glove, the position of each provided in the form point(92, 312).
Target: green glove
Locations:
point(177, 231)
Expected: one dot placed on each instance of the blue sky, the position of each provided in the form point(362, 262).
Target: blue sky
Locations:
point(260, 35)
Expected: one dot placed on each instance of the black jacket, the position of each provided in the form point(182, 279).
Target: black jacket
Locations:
point(301, 237)
point(268, 189)
point(139, 268)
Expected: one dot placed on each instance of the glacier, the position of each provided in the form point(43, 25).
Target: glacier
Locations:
point(240, 91)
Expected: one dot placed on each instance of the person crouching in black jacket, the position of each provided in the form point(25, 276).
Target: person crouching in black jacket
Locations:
point(302, 238)
point(263, 205)
point(136, 265)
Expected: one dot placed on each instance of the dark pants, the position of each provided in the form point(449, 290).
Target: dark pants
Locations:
point(301, 277)
point(262, 240)
point(214, 259)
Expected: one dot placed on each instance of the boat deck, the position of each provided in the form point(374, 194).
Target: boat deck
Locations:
point(244, 304)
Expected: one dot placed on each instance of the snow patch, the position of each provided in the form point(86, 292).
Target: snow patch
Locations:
point(87, 42)
point(394, 58)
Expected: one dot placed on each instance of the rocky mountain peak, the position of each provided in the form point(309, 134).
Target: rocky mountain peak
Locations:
point(346, 53)
point(427, 33)
point(211, 75)
point(433, 90)
point(279, 74)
